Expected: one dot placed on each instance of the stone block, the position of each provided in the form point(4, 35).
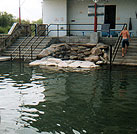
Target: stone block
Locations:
point(74, 48)
point(92, 58)
point(96, 51)
point(82, 47)
point(73, 57)
point(94, 37)
point(81, 51)
point(87, 53)
point(73, 53)
point(102, 46)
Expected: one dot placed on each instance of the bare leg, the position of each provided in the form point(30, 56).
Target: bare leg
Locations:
point(126, 47)
point(122, 52)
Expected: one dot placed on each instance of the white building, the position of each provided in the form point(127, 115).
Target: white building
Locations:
point(114, 12)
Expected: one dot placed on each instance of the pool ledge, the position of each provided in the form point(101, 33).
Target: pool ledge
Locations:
point(4, 58)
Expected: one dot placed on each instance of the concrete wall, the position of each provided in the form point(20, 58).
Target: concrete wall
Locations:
point(55, 12)
point(74, 39)
point(76, 12)
point(85, 39)
point(126, 9)
point(108, 41)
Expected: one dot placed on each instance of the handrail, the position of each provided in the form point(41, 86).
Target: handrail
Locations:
point(32, 50)
point(3, 37)
point(117, 44)
point(57, 28)
point(19, 46)
point(48, 31)
point(49, 28)
point(30, 47)
point(5, 40)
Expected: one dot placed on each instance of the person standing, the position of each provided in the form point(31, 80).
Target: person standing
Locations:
point(125, 40)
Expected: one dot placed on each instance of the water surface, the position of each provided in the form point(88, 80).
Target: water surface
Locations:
point(39, 101)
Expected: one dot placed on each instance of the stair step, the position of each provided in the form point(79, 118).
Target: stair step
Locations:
point(130, 58)
point(129, 64)
point(22, 47)
point(127, 56)
point(124, 59)
point(16, 52)
point(128, 53)
point(27, 49)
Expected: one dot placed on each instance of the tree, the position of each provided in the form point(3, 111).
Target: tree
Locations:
point(6, 19)
point(23, 21)
point(37, 22)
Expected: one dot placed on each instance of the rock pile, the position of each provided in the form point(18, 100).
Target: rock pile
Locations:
point(71, 51)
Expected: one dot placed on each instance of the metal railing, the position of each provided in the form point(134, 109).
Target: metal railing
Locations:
point(9, 37)
point(41, 33)
point(83, 29)
point(46, 33)
point(33, 30)
point(28, 45)
point(3, 37)
point(116, 47)
point(32, 47)
point(58, 28)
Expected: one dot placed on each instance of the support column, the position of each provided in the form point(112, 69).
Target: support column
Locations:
point(95, 18)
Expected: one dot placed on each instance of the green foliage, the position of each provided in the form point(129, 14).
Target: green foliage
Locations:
point(37, 22)
point(2, 30)
point(22, 21)
point(7, 20)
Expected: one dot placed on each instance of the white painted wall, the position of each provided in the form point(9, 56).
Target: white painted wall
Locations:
point(64, 11)
point(78, 11)
point(55, 12)
point(125, 10)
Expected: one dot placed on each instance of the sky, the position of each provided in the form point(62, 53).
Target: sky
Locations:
point(30, 9)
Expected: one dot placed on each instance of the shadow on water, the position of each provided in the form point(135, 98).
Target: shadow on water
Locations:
point(95, 102)
point(16, 70)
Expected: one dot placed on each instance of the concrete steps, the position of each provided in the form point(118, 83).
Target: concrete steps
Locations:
point(25, 46)
point(130, 58)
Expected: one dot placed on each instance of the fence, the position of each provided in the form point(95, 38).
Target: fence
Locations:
point(58, 30)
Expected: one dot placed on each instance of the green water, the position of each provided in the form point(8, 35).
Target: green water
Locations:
point(39, 101)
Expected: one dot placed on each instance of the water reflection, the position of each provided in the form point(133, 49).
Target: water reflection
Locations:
point(16, 92)
point(39, 101)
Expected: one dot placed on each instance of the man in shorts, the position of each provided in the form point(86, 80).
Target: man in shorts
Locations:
point(125, 40)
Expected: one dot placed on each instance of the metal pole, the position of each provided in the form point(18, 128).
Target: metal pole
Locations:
point(47, 34)
point(58, 32)
point(11, 57)
point(110, 56)
point(31, 53)
point(19, 53)
point(23, 57)
point(69, 30)
point(95, 18)
point(19, 13)
point(35, 29)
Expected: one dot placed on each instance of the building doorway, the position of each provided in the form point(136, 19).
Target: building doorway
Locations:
point(110, 15)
